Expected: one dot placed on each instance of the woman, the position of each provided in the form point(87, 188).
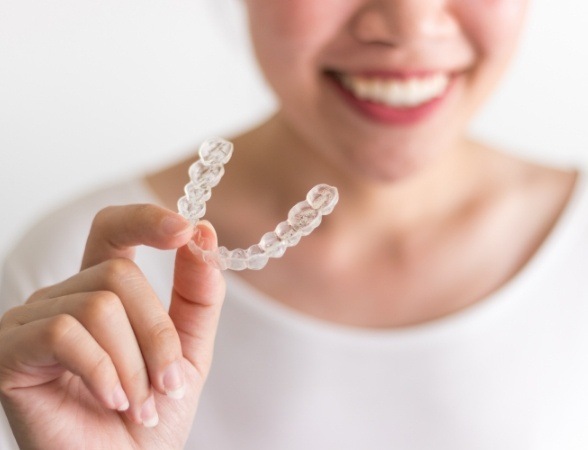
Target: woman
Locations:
point(439, 306)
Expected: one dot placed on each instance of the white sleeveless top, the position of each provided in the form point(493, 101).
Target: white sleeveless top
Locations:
point(510, 372)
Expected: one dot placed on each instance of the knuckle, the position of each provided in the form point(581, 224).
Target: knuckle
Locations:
point(118, 271)
point(102, 216)
point(59, 327)
point(102, 367)
point(103, 306)
point(100, 219)
point(162, 334)
point(40, 294)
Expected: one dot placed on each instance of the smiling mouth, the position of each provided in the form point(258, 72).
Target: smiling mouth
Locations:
point(395, 92)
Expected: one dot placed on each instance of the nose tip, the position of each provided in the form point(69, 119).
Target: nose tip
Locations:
point(395, 22)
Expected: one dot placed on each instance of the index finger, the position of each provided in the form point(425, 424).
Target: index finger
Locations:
point(116, 230)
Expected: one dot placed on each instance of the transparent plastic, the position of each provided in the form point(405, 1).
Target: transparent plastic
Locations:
point(303, 218)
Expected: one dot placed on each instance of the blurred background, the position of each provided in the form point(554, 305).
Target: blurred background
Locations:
point(92, 91)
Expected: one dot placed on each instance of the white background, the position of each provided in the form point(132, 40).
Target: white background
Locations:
point(95, 90)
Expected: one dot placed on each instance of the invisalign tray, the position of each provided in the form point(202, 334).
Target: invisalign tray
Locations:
point(304, 217)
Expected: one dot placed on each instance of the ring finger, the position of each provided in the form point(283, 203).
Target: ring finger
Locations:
point(103, 315)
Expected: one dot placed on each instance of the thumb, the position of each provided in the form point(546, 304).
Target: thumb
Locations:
point(197, 298)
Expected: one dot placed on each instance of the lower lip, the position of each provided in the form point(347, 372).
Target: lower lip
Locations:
point(390, 115)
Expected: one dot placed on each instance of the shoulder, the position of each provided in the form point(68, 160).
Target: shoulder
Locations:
point(533, 206)
point(556, 206)
point(51, 249)
point(538, 194)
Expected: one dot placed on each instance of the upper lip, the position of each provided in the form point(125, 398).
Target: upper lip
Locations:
point(391, 73)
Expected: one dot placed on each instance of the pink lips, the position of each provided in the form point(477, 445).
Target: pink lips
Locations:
point(386, 114)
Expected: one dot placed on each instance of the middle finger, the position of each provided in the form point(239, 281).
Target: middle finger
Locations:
point(155, 333)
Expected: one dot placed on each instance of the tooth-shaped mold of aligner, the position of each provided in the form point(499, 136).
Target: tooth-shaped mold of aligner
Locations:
point(204, 175)
point(303, 217)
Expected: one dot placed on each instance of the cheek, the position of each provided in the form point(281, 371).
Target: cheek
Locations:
point(286, 20)
point(289, 37)
point(493, 25)
point(297, 26)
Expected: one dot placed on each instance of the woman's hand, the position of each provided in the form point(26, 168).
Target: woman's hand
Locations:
point(95, 361)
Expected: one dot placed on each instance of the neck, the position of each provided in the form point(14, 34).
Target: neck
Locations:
point(278, 160)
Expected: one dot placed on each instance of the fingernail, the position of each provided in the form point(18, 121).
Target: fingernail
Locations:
point(149, 415)
point(197, 237)
point(204, 242)
point(173, 381)
point(174, 225)
point(121, 402)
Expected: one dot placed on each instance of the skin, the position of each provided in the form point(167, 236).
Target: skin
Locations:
point(429, 222)
point(67, 352)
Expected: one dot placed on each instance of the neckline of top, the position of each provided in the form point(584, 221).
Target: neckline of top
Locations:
point(474, 317)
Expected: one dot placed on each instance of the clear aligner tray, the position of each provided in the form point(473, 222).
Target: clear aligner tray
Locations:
point(303, 217)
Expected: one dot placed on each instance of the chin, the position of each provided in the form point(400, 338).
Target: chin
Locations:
point(392, 173)
point(388, 166)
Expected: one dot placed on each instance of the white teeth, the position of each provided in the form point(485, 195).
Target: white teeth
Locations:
point(397, 92)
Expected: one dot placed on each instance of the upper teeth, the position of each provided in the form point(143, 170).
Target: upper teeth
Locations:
point(396, 92)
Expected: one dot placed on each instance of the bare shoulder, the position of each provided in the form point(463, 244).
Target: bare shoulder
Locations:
point(529, 198)
point(544, 189)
